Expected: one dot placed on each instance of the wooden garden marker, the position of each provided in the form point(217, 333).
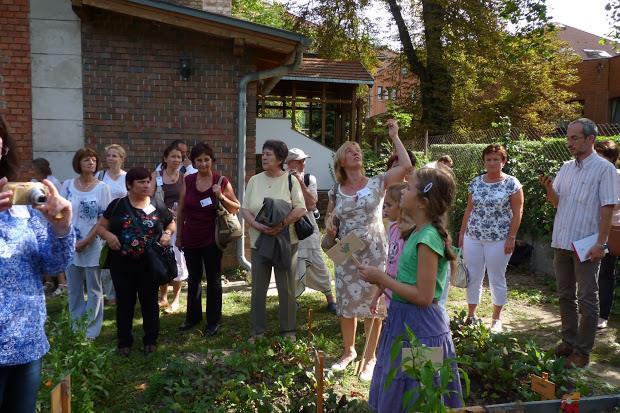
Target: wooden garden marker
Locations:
point(61, 396)
point(543, 386)
point(345, 248)
point(319, 361)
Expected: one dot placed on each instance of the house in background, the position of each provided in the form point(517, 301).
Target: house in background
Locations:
point(598, 89)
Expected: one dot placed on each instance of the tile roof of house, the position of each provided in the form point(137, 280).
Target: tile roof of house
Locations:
point(314, 69)
point(585, 44)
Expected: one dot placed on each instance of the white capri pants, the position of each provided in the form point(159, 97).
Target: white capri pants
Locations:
point(486, 255)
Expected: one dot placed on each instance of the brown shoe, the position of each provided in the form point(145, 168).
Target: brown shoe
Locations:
point(563, 350)
point(577, 360)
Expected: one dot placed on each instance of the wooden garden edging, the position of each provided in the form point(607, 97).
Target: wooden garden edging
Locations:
point(61, 396)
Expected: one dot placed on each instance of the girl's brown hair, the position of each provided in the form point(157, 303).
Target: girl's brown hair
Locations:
point(395, 191)
point(439, 188)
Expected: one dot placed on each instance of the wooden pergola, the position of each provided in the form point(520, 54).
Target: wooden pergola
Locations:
point(326, 91)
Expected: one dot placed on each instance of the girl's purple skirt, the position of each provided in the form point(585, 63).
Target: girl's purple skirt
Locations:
point(430, 327)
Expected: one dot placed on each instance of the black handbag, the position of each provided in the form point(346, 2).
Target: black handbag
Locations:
point(160, 259)
point(303, 227)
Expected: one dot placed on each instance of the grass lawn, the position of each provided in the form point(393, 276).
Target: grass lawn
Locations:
point(531, 312)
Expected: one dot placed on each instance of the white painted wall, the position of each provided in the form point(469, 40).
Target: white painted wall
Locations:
point(57, 104)
point(322, 158)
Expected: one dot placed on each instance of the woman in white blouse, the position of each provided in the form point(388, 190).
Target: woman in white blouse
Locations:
point(114, 177)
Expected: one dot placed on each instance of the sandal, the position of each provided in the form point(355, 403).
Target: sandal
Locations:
point(344, 362)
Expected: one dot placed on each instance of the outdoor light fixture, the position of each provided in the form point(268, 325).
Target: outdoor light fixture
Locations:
point(186, 68)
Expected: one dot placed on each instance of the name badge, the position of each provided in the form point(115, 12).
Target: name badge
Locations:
point(364, 192)
point(160, 181)
point(205, 202)
point(148, 209)
point(19, 211)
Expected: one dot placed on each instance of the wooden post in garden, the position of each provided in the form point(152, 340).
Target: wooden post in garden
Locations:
point(543, 386)
point(319, 361)
point(426, 143)
point(61, 396)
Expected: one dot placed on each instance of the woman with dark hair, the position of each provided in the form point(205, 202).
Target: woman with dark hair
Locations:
point(196, 215)
point(32, 242)
point(275, 185)
point(489, 230)
point(127, 238)
point(166, 186)
point(42, 170)
point(607, 273)
point(89, 198)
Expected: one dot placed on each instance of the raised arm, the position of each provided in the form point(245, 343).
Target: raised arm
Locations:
point(397, 174)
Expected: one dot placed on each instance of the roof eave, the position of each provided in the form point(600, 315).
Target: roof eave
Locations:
point(329, 80)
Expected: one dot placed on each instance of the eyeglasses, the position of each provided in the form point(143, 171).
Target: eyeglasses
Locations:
point(4, 151)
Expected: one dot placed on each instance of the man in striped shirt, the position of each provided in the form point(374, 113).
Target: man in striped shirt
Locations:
point(584, 194)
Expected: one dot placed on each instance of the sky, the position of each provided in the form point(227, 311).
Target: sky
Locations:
point(586, 15)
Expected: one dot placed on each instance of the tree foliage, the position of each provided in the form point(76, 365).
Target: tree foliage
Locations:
point(613, 12)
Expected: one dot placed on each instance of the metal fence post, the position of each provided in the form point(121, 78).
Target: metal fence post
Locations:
point(426, 143)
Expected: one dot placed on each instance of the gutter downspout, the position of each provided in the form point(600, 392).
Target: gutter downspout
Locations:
point(242, 135)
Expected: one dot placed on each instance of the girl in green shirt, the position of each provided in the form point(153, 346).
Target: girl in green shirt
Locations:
point(417, 288)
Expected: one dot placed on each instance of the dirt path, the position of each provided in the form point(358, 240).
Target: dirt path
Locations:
point(533, 310)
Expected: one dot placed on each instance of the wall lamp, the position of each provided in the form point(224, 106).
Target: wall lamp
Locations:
point(186, 68)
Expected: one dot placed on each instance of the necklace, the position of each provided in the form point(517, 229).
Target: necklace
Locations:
point(174, 177)
point(84, 187)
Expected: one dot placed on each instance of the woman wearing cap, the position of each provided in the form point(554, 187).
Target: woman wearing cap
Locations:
point(357, 201)
point(311, 269)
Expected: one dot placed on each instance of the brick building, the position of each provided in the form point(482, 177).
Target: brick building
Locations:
point(140, 73)
point(598, 89)
point(392, 82)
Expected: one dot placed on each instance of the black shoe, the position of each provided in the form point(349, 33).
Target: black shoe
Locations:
point(149, 348)
point(123, 351)
point(187, 326)
point(331, 308)
point(211, 330)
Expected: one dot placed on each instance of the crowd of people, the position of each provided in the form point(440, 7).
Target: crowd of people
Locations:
point(398, 281)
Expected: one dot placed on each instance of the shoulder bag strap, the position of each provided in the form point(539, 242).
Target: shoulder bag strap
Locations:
point(135, 217)
point(307, 179)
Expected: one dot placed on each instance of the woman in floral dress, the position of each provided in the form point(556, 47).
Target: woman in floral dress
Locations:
point(357, 202)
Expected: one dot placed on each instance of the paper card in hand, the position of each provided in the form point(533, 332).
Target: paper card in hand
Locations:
point(345, 248)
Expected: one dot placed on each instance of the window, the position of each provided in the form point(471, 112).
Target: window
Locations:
point(392, 93)
point(379, 92)
point(614, 105)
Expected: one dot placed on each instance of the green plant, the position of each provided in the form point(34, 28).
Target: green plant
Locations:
point(71, 353)
point(434, 380)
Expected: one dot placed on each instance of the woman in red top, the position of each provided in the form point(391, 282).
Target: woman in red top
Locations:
point(196, 236)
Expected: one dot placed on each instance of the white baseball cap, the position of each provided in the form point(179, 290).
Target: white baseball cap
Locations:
point(296, 154)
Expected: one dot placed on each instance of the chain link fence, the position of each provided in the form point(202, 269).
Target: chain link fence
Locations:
point(466, 148)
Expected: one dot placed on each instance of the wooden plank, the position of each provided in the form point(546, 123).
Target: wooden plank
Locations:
point(193, 23)
point(65, 387)
point(293, 123)
point(353, 120)
point(56, 397)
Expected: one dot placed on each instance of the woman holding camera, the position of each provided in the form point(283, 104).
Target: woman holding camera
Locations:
point(89, 197)
point(31, 243)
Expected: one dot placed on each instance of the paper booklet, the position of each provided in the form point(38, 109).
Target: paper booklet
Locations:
point(582, 246)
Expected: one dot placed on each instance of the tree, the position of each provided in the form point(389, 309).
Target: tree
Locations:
point(613, 12)
point(262, 12)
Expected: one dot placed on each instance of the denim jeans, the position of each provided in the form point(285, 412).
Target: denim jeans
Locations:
point(19, 385)
point(93, 306)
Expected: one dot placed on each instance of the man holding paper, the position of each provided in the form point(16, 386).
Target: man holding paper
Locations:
point(584, 194)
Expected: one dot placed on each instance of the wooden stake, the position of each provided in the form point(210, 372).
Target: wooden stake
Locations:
point(310, 322)
point(364, 360)
point(319, 361)
point(61, 396)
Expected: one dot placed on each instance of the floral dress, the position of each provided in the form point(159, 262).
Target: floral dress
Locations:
point(361, 214)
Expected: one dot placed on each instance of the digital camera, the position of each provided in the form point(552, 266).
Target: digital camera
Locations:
point(27, 193)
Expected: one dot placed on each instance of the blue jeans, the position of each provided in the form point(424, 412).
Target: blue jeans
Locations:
point(19, 385)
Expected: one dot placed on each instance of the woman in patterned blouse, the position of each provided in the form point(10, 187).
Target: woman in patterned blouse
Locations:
point(489, 230)
point(128, 224)
point(33, 241)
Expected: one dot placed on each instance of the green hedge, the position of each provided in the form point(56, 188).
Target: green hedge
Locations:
point(526, 159)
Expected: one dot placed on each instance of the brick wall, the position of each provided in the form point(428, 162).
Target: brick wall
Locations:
point(599, 81)
point(15, 83)
point(134, 94)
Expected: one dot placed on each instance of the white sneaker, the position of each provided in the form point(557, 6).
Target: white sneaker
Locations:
point(497, 326)
point(369, 368)
point(60, 290)
point(344, 362)
point(602, 323)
